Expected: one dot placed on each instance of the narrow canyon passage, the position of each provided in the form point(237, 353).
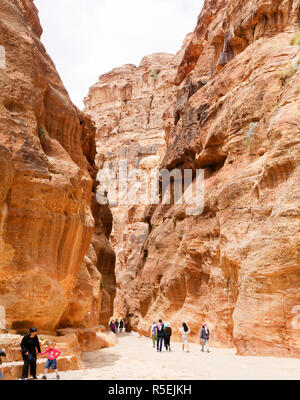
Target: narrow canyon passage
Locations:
point(134, 358)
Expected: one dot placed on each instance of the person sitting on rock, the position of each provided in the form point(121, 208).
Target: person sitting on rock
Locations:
point(204, 336)
point(2, 354)
point(53, 354)
point(30, 343)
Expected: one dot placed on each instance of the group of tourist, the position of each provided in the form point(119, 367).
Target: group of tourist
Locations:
point(30, 346)
point(118, 325)
point(161, 333)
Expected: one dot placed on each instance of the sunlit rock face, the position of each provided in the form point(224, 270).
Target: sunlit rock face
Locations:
point(235, 115)
point(131, 109)
point(48, 178)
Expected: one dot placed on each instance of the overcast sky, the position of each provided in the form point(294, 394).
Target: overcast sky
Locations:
point(86, 38)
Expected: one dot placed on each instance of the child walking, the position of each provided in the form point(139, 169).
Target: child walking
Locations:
point(53, 354)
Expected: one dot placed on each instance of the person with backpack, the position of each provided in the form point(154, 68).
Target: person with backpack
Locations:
point(168, 334)
point(204, 336)
point(160, 335)
point(153, 333)
point(30, 343)
point(2, 354)
point(121, 325)
point(184, 330)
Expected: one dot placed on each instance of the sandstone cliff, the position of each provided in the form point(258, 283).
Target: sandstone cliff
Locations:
point(49, 268)
point(236, 115)
point(130, 108)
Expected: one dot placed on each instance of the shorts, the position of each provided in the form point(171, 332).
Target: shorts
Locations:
point(51, 363)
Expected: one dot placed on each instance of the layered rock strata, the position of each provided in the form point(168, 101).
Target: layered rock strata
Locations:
point(236, 116)
point(130, 106)
point(50, 257)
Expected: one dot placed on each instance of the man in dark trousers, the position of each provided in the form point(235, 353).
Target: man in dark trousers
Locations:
point(29, 345)
point(160, 335)
point(204, 336)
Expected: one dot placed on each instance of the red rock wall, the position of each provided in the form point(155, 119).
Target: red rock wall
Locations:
point(130, 108)
point(236, 116)
point(47, 168)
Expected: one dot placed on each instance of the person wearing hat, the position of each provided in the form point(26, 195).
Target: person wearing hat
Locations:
point(204, 336)
point(29, 345)
point(167, 337)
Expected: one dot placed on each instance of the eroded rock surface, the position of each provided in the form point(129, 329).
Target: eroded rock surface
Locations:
point(49, 269)
point(236, 116)
point(131, 108)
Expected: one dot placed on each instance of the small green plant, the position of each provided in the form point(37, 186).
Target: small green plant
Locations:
point(250, 133)
point(275, 108)
point(43, 133)
point(288, 73)
point(297, 89)
point(295, 39)
point(154, 74)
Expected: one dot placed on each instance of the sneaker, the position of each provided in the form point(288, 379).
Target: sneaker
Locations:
point(44, 377)
point(57, 377)
point(35, 377)
point(202, 350)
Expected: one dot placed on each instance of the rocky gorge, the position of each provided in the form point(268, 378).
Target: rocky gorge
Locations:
point(228, 104)
point(54, 237)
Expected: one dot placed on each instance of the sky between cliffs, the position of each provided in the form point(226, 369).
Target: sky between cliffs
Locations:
point(86, 38)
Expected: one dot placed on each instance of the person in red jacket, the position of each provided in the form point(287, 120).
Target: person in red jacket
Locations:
point(53, 354)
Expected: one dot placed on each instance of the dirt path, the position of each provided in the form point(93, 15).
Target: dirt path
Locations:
point(134, 358)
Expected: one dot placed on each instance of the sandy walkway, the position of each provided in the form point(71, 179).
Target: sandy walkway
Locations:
point(134, 358)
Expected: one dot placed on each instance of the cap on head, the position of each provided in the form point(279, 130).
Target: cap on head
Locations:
point(32, 330)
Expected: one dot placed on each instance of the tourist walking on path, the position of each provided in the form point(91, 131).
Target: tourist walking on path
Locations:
point(29, 345)
point(204, 336)
point(184, 330)
point(2, 354)
point(112, 326)
point(160, 335)
point(153, 334)
point(121, 325)
point(168, 334)
point(117, 325)
point(53, 354)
